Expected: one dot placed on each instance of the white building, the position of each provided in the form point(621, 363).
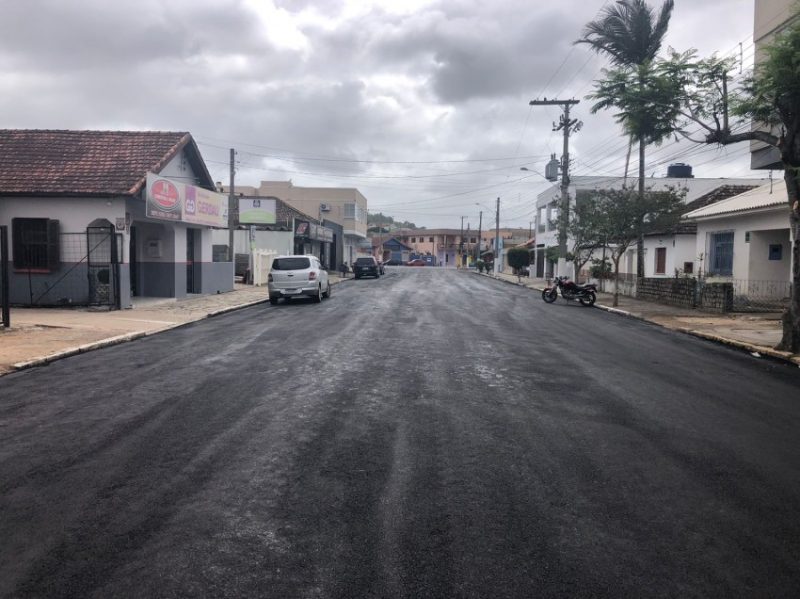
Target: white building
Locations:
point(548, 201)
point(745, 239)
point(99, 217)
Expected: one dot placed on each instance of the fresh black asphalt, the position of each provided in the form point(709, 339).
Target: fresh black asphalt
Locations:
point(431, 433)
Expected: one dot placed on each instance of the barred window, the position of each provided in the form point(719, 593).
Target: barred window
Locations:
point(35, 243)
point(721, 254)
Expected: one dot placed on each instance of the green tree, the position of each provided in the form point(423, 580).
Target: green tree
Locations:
point(770, 96)
point(630, 34)
point(617, 216)
point(519, 258)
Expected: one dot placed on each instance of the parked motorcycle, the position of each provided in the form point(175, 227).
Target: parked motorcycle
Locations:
point(585, 294)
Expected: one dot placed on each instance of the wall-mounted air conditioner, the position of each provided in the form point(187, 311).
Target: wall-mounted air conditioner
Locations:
point(324, 207)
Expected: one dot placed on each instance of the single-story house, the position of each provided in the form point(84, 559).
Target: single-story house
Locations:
point(99, 217)
point(673, 252)
point(746, 240)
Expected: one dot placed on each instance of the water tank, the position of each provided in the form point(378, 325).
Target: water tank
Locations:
point(679, 170)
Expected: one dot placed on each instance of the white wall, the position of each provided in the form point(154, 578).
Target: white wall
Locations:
point(760, 267)
point(769, 220)
point(680, 249)
point(73, 214)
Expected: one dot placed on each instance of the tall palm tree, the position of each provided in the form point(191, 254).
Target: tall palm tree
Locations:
point(628, 31)
point(630, 34)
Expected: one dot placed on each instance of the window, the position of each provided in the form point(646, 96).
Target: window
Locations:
point(661, 261)
point(413, 240)
point(355, 212)
point(688, 267)
point(542, 220)
point(472, 240)
point(35, 243)
point(291, 263)
point(720, 254)
point(430, 239)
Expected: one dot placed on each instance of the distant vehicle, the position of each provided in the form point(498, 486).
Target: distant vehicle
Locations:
point(416, 262)
point(297, 276)
point(366, 266)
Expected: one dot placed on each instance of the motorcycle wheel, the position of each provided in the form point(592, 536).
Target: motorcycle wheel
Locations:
point(549, 295)
point(589, 300)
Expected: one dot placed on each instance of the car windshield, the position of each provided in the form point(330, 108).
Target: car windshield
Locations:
point(290, 263)
point(364, 261)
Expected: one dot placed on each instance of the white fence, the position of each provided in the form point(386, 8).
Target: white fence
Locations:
point(261, 261)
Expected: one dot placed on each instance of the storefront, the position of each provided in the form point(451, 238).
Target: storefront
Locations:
point(314, 239)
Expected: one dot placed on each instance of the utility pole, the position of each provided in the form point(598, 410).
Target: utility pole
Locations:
point(459, 262)
point(568, 126)
point(231, 201)
point(497, 239)
point(480, 225)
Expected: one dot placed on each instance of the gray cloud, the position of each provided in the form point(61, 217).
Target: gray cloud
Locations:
point(450, 81)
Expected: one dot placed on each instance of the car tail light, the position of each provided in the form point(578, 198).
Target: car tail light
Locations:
point(312, 275)
point(269, 278)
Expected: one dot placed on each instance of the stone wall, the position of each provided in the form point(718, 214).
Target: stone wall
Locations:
point(716, 297)
point(685, 292)
point(673, 291)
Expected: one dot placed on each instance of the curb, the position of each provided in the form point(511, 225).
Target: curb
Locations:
point(767, 352)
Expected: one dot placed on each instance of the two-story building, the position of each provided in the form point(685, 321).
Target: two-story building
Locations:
point(547, 205)
point(330, 206)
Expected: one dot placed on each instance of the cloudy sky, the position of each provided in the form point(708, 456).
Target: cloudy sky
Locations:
point(420, 104)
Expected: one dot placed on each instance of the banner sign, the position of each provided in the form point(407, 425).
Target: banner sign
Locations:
point(178, 202)
point(257, 211)
point(311, 231)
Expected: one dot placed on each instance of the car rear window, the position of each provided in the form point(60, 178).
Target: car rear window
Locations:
point(370, 261)
point(290, 263)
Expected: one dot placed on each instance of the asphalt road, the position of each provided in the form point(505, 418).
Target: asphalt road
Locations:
point(429, 434)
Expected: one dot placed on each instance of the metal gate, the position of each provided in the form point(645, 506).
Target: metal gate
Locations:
point(103, 266)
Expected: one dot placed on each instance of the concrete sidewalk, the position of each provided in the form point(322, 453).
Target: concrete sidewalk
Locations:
point(41, 335)
point(756, 333)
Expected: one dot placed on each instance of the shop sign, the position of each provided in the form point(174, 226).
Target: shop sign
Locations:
point(257, 211)
point(313, 232)
point(179, 202)
point(321, 233)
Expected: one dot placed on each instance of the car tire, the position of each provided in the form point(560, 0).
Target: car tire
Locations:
point(273, 300)
point(327, 294)
point(318, 295)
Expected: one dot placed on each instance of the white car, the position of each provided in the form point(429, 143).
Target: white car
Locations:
point(297, 276)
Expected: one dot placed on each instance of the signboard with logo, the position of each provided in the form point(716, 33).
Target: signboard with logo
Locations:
point(171, 200)
point(257, 211)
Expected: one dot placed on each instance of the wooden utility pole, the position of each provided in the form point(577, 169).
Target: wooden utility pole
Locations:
point(231, 201)
point(568, 126)
point(497, 239)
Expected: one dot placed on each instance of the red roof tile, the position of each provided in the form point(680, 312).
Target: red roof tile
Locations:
point(60, 162)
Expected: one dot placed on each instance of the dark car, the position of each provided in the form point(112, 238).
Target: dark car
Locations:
point(366, 266)
point(416, 262)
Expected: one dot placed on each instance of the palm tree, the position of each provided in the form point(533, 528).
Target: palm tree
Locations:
point(627, 32)
point(630, 34)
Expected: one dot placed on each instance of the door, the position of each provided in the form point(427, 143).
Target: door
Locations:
point(191, 267)
point(661, 261)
